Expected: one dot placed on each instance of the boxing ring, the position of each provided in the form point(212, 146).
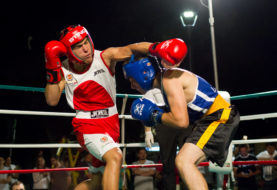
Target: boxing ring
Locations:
point(227, 169)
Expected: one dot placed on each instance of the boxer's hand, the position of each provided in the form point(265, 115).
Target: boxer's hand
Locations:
point(173, 50)
point(53, 51)
point(155, 95)
point(149, 139)
point(146, 111)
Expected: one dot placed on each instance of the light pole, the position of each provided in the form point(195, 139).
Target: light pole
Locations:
point(211, 20)
point(188, 19)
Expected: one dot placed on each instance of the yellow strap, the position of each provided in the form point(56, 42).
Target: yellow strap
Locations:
point(207, 134)
point(212, 127)
point(225, 115)
point(219, 103)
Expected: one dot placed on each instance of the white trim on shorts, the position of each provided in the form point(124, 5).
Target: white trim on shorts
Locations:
point(102, 113)
point(99, 144)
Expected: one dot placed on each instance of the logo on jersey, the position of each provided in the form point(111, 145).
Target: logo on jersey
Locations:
point(70, 79)
point(98, 72)
point(100, 113)
point(104, 139)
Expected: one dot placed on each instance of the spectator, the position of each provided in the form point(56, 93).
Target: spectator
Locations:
point(17, 185)
point(91, 178)
point(41, 179)
point(143, 177)
point(11, 166)
point(246, 174)
point(84, 162)
point(5, 179)
point(274, 170)
point(60, 180)
point(160, 176)
point(269, 177)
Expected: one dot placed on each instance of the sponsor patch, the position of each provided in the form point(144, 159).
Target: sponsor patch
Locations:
point(98, 72)
point(70, 79)
point(100, 113)
point(104, 139)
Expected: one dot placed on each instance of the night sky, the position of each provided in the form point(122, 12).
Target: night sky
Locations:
point(246, 45)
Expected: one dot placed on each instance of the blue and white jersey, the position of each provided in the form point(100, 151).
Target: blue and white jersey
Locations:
point(204, 97)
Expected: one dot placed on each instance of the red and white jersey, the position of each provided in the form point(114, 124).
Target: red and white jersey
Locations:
point(92, 90)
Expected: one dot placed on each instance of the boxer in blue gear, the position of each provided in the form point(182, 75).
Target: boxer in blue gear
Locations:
point(142, 71)
point(191, 100)
point(146, 111)
point(168, 143)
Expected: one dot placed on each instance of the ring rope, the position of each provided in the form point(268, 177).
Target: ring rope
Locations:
point(66, 145)
point(260, 162)
point(130, 145)
point(65, 114)
point(45, 113)
point(36, 89)
point(238, 97)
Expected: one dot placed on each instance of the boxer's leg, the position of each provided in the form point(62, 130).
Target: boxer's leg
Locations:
point(104, 148)
point(186, 161)
point(113, 160)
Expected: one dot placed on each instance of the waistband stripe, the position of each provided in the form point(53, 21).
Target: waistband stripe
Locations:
point(96, 114)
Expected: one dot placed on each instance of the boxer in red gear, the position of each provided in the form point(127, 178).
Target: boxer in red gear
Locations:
point(173, 51)
point(54, 50)
point(88, 78)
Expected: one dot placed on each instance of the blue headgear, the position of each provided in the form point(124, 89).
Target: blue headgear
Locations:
point(142, 71)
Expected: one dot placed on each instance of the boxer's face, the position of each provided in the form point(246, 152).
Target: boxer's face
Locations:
point(83, 51)
point(168, 65)
point(135, 85)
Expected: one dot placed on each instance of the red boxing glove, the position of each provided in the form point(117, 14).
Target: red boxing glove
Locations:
point(173, 51)
point(53, 51)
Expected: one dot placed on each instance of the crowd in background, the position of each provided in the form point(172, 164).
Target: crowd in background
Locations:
point(246, 177)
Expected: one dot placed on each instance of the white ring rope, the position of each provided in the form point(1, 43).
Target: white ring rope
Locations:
point(45, 113)
point(65, 114)
point(130, 145)
point(258, 116)
point(64, 145)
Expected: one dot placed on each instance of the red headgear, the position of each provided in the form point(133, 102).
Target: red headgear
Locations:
point(72, 35)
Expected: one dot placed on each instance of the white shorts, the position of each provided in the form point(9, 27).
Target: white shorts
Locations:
point(99, 144)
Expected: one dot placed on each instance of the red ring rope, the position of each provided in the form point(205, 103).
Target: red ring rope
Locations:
point(260, 162)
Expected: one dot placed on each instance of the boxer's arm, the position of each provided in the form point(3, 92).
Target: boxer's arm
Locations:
point(178, 115)
point(53, 92)
point(55, 82)
point(116, 54)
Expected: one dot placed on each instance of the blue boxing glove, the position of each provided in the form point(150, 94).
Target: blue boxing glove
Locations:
point(146, 111)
